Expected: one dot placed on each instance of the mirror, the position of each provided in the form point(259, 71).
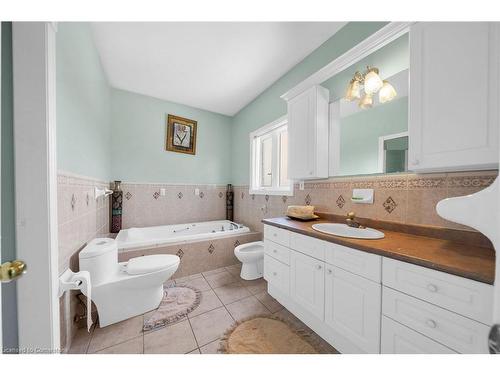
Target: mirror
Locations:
point(369, 132)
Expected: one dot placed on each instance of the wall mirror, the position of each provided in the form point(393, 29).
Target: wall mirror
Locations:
point(369, 113)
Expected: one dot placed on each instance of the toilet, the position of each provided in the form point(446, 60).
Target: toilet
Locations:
point(251, 255)
point(123, 290)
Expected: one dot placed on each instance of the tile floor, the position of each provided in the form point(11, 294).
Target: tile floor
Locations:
point(226, 298)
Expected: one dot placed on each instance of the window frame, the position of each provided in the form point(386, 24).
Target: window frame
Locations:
point(274, 129)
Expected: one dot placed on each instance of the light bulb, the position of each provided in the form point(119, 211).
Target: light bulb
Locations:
point(366, 102)
point(386, 93)
point(373, 83)
point(353, 91)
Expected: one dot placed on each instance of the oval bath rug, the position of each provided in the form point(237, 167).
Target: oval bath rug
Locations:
point(267, 335)
point(177, 302)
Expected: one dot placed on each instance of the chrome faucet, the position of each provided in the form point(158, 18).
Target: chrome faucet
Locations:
point(351, 221)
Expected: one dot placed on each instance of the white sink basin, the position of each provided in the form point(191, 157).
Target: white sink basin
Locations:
point(343, 230)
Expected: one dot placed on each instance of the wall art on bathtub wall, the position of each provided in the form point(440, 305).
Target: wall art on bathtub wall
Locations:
point(181, 135)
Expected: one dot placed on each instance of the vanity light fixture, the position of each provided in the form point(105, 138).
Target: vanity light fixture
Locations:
point(371, 83)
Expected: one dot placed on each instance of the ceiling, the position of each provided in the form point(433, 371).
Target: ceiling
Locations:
point(216, 66)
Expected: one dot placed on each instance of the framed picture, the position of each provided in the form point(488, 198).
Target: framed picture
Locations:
point(181, 135)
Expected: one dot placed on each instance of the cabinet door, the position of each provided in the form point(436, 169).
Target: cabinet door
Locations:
point(353, 308)
point(307, 283)
point(301, 136)
point(454, 95)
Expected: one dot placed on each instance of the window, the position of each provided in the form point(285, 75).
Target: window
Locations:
point(269, 160)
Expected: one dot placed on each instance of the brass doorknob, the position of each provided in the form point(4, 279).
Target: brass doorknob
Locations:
point(12, 270)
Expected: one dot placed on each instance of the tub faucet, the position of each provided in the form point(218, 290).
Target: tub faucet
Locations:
point(351, 221)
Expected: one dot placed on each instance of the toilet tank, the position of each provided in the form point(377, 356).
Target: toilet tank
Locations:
point(100, 259)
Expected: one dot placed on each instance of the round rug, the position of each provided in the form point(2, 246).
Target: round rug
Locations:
point(177, 302)
point(267, 335)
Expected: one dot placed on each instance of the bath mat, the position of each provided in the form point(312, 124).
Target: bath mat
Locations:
point(177, 302)
point(268, 335)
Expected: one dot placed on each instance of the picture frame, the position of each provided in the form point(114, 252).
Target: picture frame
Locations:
point(181, 135)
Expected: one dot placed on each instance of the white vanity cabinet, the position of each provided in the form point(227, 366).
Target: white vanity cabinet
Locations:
point(454, 94)
point(308, 134)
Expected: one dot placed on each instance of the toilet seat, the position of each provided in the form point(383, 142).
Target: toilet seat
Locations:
point(151, 263)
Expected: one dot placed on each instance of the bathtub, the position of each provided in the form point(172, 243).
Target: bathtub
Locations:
point(151, 237)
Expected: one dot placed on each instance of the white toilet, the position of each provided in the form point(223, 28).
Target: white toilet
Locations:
point(123, 290)
point(251, 255)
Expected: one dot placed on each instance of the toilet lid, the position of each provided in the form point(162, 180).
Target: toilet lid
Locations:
point(151, 263)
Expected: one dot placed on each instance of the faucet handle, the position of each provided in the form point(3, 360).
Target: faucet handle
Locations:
point(351, 215)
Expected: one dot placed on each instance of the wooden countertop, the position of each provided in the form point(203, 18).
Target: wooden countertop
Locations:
point(472, 262)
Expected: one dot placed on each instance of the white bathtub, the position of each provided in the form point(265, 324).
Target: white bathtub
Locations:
point(166, 234)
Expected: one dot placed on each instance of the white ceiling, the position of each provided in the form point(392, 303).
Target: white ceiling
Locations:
point(218, 66)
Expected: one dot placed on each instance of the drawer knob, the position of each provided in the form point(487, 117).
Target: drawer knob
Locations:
point(275, 251)
point(275, 234)
point(432, 288)
point(275, 274)
point(431, 323)
point(329, 271)
point(318, 267)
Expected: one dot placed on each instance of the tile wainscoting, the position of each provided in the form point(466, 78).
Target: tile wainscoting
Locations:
point(144, 206)
point(80, 219)
point(403, 198)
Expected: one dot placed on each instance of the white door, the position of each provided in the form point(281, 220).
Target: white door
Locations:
point(33, 47)
point(454, 95)
point(307, 283)
point(353, 308)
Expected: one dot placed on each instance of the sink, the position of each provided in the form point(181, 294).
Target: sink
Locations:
point(343, 230)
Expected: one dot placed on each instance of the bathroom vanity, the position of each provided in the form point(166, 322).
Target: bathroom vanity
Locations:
point(401, 294)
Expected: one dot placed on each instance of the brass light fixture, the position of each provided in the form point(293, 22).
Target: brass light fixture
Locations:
point(371, 83)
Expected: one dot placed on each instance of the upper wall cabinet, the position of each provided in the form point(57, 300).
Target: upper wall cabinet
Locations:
point(454, 94)
point(308, 134)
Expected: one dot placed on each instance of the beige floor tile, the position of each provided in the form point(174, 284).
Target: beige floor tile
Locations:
point(246, 307)
point(211, 348)
point(199, 283)
point(290, 318)
point(196, 351)
point(234, 270)
point(175, 339)
point(213, 272)
point(188, 278)
point(255, 286)
point(220, 279)
point(116, 333)
point(268, 301)
point(134, 346)
point(80, 342)
point(211, 325)
point(231, 293)
point(209, 301)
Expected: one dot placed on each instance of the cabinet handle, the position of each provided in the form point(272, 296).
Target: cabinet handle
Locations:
point(318, 267)
point(432, 288)
point(275, 274)
point(275, 251)
point(329, 271)
point(275, 234)
point(431, 323)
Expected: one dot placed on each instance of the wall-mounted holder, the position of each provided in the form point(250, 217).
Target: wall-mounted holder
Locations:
point(70, 280)
point(364, 196)
point(101, 192)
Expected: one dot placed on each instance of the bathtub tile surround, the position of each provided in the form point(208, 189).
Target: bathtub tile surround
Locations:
point(80, 219)
point(403, 198)
point(221, 306)
point(144, 205)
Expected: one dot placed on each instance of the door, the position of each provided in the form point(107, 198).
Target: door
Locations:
point(454, 94)
point(307, 283)
point(353, 308)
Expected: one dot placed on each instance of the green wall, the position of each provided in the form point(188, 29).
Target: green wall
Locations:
point(8, 220)
point(268, 106)
point(83, 104)
point(138, 142)
point(359, 135)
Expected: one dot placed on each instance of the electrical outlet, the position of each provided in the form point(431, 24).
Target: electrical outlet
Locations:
point(197, 192)
point(162, 192)
point(301, 185)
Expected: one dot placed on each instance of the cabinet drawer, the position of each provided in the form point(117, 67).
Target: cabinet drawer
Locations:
point(277, 251)
point(456, 332)
point(277, 274)
point(308, 245)
point(277, 235)
point(463, 296)
point(355, 261)
point(398, 339)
